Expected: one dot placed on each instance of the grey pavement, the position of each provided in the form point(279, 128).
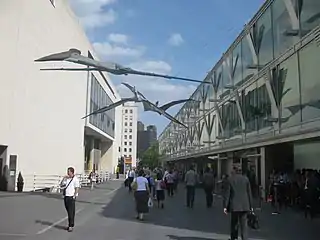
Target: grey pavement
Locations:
point(111, 216)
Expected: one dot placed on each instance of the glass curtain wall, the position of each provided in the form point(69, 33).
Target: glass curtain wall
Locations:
point(98, 99)
point(280, 26)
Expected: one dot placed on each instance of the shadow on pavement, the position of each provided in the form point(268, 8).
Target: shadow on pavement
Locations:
point(46, 223)
point(286, 226)
point(173, 237)
point(174, 215)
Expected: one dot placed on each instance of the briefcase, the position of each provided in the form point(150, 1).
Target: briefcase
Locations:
point(253, 221)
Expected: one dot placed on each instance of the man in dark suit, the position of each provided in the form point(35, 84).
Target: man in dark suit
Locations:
point(238, 201)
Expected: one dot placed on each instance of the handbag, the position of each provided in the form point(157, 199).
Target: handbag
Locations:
point(163, 185)
point(253, 221)
point(64, 190)
point(134, 185)
point(150, 203)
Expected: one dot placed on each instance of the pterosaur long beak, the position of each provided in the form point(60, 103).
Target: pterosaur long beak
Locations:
point(59, 56)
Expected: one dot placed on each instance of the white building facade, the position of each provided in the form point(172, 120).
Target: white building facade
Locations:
point(41, 130)
point(129, 134)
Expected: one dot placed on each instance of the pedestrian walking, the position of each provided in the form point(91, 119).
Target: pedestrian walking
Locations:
point(238, 202)
point(208, 185)
point(70, 185)
point(190, 181)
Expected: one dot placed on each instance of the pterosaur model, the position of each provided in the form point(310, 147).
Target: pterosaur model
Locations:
point(137, 97)
point(148, 106)
point(74, 55)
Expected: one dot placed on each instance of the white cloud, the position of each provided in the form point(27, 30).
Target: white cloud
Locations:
point(92, 13)
point(118, 38)
point(175, 39)
point(106, 49)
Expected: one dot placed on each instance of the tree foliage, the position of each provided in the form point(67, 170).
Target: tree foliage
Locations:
point(150, 158)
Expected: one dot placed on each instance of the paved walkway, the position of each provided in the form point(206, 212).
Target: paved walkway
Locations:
point(109, 214)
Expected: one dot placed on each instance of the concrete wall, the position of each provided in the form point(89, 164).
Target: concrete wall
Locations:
point(41, 111)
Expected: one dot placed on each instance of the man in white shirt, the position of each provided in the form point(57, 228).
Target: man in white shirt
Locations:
point(131, 176)
point(70, 185)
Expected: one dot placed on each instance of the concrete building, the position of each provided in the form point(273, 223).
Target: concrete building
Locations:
point(259, 105)
point(41, 128)
point(129, 134)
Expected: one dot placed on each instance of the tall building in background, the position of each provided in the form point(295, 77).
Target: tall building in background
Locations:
point(128, 147)
point(152, 132)
point(146, 137)
point(140, 126)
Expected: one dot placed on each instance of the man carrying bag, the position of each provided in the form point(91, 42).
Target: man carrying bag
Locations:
point(70, 185)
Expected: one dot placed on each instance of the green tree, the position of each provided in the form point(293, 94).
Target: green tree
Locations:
point(150, 158)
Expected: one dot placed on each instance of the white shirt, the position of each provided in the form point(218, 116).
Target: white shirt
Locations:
point(70, 190)
point(131, 173)
point(142, 183)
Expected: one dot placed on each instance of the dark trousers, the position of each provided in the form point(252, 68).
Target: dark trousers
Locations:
point(130, 180)
point(170, 188)
point(209, 196)
point(239, 220)
point(190, 195)
point(70, 205)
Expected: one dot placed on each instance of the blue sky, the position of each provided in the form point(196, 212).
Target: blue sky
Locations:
point(179, 37)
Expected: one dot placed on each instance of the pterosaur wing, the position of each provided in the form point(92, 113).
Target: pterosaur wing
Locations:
point(111, 106)
point(171, 104)
point(133, 90)
point(167, 115)
point(71, 69)
point(149, 106)
point(135, 72)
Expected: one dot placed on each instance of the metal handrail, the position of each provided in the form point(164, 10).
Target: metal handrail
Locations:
point(51, 182)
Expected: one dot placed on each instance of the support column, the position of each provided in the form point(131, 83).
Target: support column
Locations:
point(219, 175)
point(91, 158)
point(263, 170)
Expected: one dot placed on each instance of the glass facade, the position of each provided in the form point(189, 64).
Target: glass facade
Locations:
point(277, 86)
point(98, 99)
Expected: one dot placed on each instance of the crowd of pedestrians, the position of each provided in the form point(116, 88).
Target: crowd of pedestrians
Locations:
point(300, 190)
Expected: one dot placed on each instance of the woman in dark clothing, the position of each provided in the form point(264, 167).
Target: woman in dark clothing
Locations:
point(141, 194)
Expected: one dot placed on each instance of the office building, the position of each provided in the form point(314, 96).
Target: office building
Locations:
point(42, 132)
point(140, 126)
point(259, 105)
point(152, 131)
point(128, 148)
point(146, 138)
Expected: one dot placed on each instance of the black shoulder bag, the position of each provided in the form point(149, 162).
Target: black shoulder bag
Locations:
point(64, 190)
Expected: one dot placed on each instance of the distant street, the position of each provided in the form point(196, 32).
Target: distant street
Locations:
point(107, 214)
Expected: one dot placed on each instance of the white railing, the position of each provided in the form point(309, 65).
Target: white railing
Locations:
point(39, 182)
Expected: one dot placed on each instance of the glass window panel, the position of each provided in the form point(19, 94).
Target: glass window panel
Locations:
point(289, 94)
point(219, 79)
point(250, 107)
point(237, 65)
point(310, 15)
point(283, 27)
point(263, 105)
point(248, 63)
point(310, 81)
point(265, 38)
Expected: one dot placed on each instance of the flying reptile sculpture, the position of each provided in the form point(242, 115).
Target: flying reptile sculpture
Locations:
point(137, 97)
point(74, 55)
point(148, 106)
